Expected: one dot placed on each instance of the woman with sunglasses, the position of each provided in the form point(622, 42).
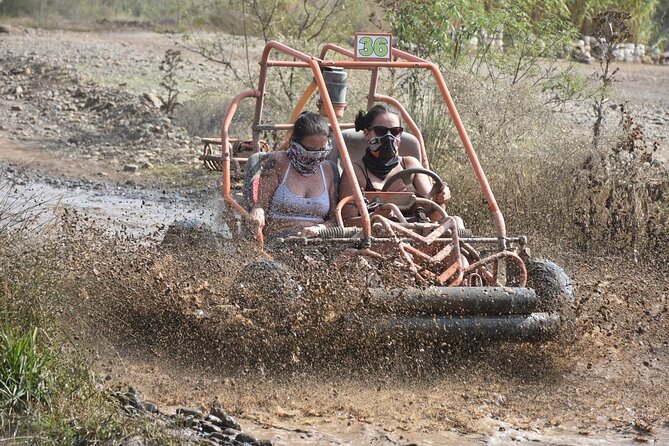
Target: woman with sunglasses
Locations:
point(382, 130)
point(297, 186)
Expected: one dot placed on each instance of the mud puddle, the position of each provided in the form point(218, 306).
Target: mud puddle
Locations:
point(143, 215)
point(504, 394)
point(326, 432)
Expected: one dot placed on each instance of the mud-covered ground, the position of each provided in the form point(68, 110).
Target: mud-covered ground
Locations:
point(78, 138)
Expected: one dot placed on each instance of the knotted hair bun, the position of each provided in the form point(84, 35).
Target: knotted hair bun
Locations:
point(365, 120)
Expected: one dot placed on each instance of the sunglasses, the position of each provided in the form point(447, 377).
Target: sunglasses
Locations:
point(316, 149)
point(381, 130)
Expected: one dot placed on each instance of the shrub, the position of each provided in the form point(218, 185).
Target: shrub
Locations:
point(622, 195)
point(527, 151)
point(47, 390)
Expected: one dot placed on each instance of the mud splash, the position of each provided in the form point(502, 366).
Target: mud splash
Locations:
point(160, 318)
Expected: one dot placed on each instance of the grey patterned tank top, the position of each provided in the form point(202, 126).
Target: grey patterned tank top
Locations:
point(286, 205)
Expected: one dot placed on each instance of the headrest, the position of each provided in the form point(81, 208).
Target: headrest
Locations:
point(356, 145)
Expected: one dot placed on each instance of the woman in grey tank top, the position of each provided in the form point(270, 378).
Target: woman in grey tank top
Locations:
point(296, 189)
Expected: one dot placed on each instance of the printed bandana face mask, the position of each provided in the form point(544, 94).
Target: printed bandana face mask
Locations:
point(388, 140)
point(306, 161)
point(381, 155)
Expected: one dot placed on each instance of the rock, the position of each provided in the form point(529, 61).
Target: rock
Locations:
point(213, 419)
point(130, 168)
point(135, 441)
point(134, 400)
point(225, 419)
point(664, 58)
point(5, 29)
point(187, 412)
point(150, 407)
point(246, 438)
point(16, 107)
point(217, 436)
point(210, 427)
point(153, 100)
point(146, 165)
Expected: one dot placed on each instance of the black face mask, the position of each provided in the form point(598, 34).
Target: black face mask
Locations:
point(386, 148)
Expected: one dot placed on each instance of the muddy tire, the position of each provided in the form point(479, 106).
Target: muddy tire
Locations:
point(268, 295)
point(555, 293)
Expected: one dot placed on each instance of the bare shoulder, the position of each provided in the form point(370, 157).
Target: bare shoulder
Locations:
point(411, 162)
point(358, 170)
point(276, 163)
point(329, 169)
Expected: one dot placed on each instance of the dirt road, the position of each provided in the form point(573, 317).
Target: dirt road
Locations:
point(61, 133)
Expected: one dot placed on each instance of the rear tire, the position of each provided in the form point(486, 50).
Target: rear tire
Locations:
point(555, 293)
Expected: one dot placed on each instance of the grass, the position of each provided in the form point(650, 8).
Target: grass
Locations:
point(49, 395)
point(24, 369)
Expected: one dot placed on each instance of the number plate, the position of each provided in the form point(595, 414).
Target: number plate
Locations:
point(371, 46)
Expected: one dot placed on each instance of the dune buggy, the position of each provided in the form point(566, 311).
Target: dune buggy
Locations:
point(465, 284)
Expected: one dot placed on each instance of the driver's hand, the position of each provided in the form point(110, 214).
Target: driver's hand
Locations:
point(443, 195)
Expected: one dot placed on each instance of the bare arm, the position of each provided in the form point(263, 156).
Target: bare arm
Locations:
point(347, 188)
point(423, 184)
point(268, 181)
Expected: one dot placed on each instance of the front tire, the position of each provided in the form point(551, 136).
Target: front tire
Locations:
point(555, 293)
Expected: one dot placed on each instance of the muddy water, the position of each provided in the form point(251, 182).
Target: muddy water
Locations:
point(491, 431)
point(353, 412)
point(143, 215)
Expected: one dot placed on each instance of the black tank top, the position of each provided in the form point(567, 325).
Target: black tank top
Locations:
point(368, 183)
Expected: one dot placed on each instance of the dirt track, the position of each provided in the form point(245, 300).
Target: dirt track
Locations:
point(606, 388)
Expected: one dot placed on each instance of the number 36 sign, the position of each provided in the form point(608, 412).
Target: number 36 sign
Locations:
point(371, 46)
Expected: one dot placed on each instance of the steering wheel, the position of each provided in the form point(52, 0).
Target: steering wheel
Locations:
point(406, 174)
